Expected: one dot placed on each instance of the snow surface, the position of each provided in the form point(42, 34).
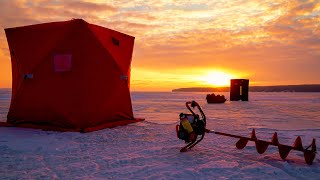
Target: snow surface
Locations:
point(150, 149)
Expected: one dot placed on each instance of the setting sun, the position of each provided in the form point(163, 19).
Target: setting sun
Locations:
point(218, 78)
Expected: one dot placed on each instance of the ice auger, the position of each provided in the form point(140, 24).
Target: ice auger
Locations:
point(192, 126)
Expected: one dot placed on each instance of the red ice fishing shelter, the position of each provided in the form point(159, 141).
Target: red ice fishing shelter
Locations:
point(70, 76)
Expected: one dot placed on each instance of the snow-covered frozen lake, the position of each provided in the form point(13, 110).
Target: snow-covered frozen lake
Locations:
point(150, 149)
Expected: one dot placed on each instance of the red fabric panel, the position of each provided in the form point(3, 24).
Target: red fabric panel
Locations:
point(62, 62)
point(90, 95)
point(122, 53)
point(31, 44)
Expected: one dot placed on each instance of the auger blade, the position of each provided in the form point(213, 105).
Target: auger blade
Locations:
point(261, 146)
point(253, 134)
point(274, 140)
point(242, 143)
point(309, 155)
point(284, 151)
point(298, 144)
point(313, 145)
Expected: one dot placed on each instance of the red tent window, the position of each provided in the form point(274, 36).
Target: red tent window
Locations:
point(62, 62)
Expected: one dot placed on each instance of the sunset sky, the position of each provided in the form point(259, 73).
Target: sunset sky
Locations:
point(196, 43)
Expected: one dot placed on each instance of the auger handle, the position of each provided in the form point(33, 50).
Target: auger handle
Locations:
point(194, 104)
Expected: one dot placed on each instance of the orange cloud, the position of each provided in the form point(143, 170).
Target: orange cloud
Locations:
point(89, 7)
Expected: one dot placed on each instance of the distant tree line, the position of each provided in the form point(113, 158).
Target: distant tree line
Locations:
point(280, 88)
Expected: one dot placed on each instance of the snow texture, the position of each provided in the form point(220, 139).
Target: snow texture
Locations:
point(150, 149)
